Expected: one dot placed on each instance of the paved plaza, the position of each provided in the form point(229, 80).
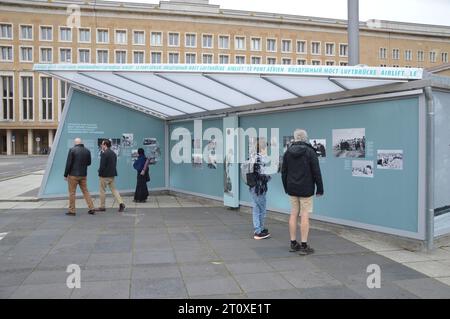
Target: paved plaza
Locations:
point(175, 247)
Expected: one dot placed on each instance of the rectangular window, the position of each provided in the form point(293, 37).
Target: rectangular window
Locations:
point(156, 57)
point(84, 35)
point(224, 42)
point(190, 40)
point(286, 46)
point(174, 39)
point(46, 55)
point(343, 63)
point(46, 33)
point(271, 60)
point(301, 61)
point(121, 57)
point(207, 42)
point(190, 58)
point(315, 48)
point(239, 43)
point(256, 44)
point(301, 47)
point(316, 62)
point(27, 97)
point(7, 97)
point(286, 61)
point(329, 48)
point(138, 57)
point(343, 49)
point(395, 54)
point(271, 45)
point(329, 63)
point(408, 55)
point(103, 36)
point(420, 56)
point(224, 59)
point(240, 59)
point(121, 37)
point(444, 57)
point(84, 56)
point(433, 57)
point(6, 53)
point(139, 38)
point(46, 98)
point(26, 32)
point(156, 39)
point(63, 93)
point(26, 54)
point(65, 55)
point(6, 31)
point(256, 60)
point(102, 56)
point(207, 58)
point(383, 54)
point(65, 34)
point(174, 58)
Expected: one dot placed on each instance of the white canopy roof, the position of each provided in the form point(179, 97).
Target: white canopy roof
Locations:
point(176, 90)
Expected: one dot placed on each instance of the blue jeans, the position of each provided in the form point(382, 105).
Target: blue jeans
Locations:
point(259, 210)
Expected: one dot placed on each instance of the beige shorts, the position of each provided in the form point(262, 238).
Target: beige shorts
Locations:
point(302, 204)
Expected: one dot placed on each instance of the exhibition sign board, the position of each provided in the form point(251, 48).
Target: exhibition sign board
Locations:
point(231, 161)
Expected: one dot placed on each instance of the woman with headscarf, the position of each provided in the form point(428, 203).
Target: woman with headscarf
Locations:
point(143, 177)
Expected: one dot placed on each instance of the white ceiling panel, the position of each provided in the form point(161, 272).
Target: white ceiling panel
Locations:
point(254, 86)
point(306, 86)
point(210, 88)
point(353, 84)
point(175, 90)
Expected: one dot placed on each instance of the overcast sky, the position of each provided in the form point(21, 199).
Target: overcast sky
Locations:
point(418, 11)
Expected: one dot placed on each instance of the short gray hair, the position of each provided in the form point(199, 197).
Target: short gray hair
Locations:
point(300, 135)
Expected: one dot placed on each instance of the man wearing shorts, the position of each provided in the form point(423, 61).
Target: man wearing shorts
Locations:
point(301, 179)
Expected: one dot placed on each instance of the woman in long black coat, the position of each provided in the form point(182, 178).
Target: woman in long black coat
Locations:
point(143, 177)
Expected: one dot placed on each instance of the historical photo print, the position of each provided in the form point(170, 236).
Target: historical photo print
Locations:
point(320, 145)
point(150, 141)
point(127, 139)
point(212, 159)
point(349, 142)
point(390, 159)
point(362, 168)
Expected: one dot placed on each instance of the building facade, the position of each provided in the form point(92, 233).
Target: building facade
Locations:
point(181, 31)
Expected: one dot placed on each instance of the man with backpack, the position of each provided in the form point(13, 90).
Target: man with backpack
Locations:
point(257, 182)
point(301, 177)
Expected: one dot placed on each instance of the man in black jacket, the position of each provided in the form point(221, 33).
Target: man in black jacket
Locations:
point(301, 175)
point(78, 159)
point(107, 172)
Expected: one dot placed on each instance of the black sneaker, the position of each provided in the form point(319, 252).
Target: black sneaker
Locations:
point(121, 208)
point(305, 250)
point(295, 247)
point(261, 236)
point(265, 231)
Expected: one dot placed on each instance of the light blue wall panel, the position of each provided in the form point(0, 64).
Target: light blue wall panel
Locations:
point(390, 198)
point(442, 149)
point(103, 119)
point(193, 179)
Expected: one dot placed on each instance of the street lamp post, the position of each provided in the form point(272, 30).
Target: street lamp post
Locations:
point(353, 32)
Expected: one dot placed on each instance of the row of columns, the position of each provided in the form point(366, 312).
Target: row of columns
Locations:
point(9, 144)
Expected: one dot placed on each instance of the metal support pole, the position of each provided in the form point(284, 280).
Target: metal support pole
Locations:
point(430, 169)
point(353, 32)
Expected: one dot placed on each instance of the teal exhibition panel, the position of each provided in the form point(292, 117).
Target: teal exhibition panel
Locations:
point(200, 178)
point(384, 199)
point(93, 119)
point(386, 196)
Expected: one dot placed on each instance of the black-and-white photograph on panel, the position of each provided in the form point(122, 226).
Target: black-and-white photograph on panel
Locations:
point(320, 145)
point(349, 142)
point(362, 168)
point(390, 159)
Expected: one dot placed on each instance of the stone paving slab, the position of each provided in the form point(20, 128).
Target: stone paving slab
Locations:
point(196, 252)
